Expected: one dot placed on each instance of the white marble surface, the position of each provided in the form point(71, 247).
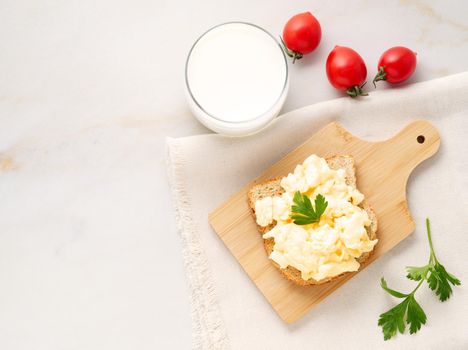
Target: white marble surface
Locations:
point(89, 255)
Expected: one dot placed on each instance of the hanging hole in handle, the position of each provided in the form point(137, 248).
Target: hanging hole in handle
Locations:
point(420, 139)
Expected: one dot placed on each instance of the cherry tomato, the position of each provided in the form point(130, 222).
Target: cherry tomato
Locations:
point(346, 71)
point(301, 35)
point(396, 65)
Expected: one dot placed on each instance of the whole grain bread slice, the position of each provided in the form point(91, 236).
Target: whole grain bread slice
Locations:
point(273, 188)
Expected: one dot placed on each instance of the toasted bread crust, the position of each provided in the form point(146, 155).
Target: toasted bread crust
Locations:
point(273, 188)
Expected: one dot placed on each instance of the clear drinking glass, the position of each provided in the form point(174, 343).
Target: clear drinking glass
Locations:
point(231, 91)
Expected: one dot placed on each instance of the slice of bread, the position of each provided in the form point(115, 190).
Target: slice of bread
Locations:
point(273, 188)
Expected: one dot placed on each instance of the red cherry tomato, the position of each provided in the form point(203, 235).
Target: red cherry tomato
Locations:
point(396, 65)
point(346, 71)
point(301, 35)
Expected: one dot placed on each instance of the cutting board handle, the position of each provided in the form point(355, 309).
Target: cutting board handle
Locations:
point(400, 154)
point(419, 140)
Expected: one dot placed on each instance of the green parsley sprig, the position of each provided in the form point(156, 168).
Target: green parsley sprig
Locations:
point(303, 213)
point(409, 312)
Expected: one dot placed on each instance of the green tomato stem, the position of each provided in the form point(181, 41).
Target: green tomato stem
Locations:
point(381, 75)
point(356, 91)
point(293, 54)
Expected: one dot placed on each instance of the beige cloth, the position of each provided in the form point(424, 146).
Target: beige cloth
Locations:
point(228, 310)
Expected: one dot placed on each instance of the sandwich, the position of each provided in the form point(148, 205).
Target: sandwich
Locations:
point(316, 225)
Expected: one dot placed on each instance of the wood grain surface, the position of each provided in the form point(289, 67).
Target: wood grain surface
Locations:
point(382, 170)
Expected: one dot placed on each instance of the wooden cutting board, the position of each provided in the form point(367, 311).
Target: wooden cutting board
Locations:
point(382, 170)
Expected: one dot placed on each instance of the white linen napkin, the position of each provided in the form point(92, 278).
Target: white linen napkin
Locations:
point(229, 311)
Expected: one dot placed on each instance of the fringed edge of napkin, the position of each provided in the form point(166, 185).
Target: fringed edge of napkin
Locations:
point(208, 327)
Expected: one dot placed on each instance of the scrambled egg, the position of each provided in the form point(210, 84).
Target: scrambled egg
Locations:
point(326, 248)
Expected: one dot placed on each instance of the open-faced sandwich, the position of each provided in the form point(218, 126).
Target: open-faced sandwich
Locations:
point(315, 223)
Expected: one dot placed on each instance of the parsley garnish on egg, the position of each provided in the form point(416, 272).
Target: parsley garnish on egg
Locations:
point(303, 213)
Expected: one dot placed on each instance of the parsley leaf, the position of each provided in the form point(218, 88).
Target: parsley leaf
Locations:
point(394, 319)
point(417, 273)
point(396, 294)
point(409, 312)
point(303, 213)
point(415, 315)
point(439, 281)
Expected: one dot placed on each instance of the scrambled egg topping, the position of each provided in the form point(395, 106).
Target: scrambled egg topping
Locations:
point(326, 248)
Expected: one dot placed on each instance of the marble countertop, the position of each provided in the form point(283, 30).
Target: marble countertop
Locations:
point(89, 253)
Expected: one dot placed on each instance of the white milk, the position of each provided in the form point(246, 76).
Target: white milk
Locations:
point(237, 78)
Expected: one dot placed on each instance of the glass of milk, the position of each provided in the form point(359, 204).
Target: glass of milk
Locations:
point(236, 78)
